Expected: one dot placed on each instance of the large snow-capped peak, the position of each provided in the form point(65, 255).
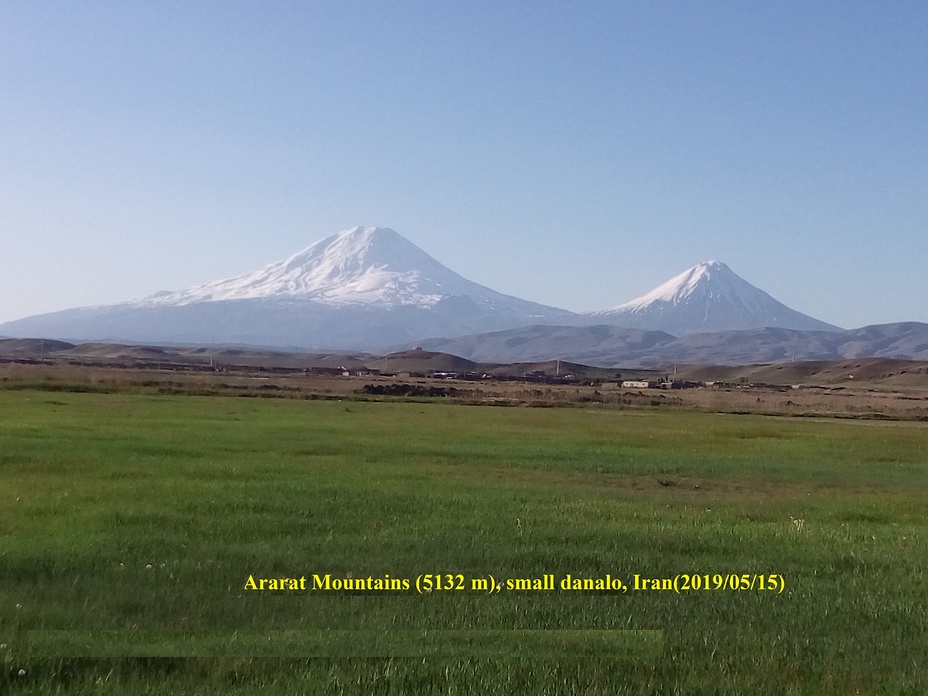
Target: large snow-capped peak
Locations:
point(366, 288)
point(358, 266)
point(708, 297)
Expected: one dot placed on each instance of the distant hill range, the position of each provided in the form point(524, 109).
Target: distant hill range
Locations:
point(863, 372)
point(236, 359)
point(368, 289)
point(612, 346)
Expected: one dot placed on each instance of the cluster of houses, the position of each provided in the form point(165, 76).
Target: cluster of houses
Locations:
point(663, 384)
point(534, 377)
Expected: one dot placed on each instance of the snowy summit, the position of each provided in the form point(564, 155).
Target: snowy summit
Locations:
point(708, 297)
point(358, 266)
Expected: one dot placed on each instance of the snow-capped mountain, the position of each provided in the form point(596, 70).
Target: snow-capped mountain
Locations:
point(368, 288)
point(706, 298)
point(360, 266)
point(362, 289)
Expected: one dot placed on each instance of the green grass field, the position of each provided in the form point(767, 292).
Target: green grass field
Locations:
point(130, 523)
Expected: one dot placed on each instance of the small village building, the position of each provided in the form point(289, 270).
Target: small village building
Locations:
point(636, 384)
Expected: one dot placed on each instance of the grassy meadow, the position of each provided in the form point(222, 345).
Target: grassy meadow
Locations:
point(130, 524)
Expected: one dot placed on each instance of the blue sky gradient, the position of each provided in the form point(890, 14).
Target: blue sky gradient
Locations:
point(575, 154)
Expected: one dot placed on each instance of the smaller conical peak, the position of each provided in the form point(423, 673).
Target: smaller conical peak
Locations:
point(709, 297)
point(713, 277)
point(700, 273)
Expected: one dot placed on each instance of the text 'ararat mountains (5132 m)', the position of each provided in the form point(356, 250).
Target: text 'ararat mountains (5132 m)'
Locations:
point(368, 288)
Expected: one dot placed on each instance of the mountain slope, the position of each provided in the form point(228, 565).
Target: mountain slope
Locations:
point(706, 298)
point(362, 289)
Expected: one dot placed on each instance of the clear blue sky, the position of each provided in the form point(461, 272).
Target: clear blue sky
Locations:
point(571, 153)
